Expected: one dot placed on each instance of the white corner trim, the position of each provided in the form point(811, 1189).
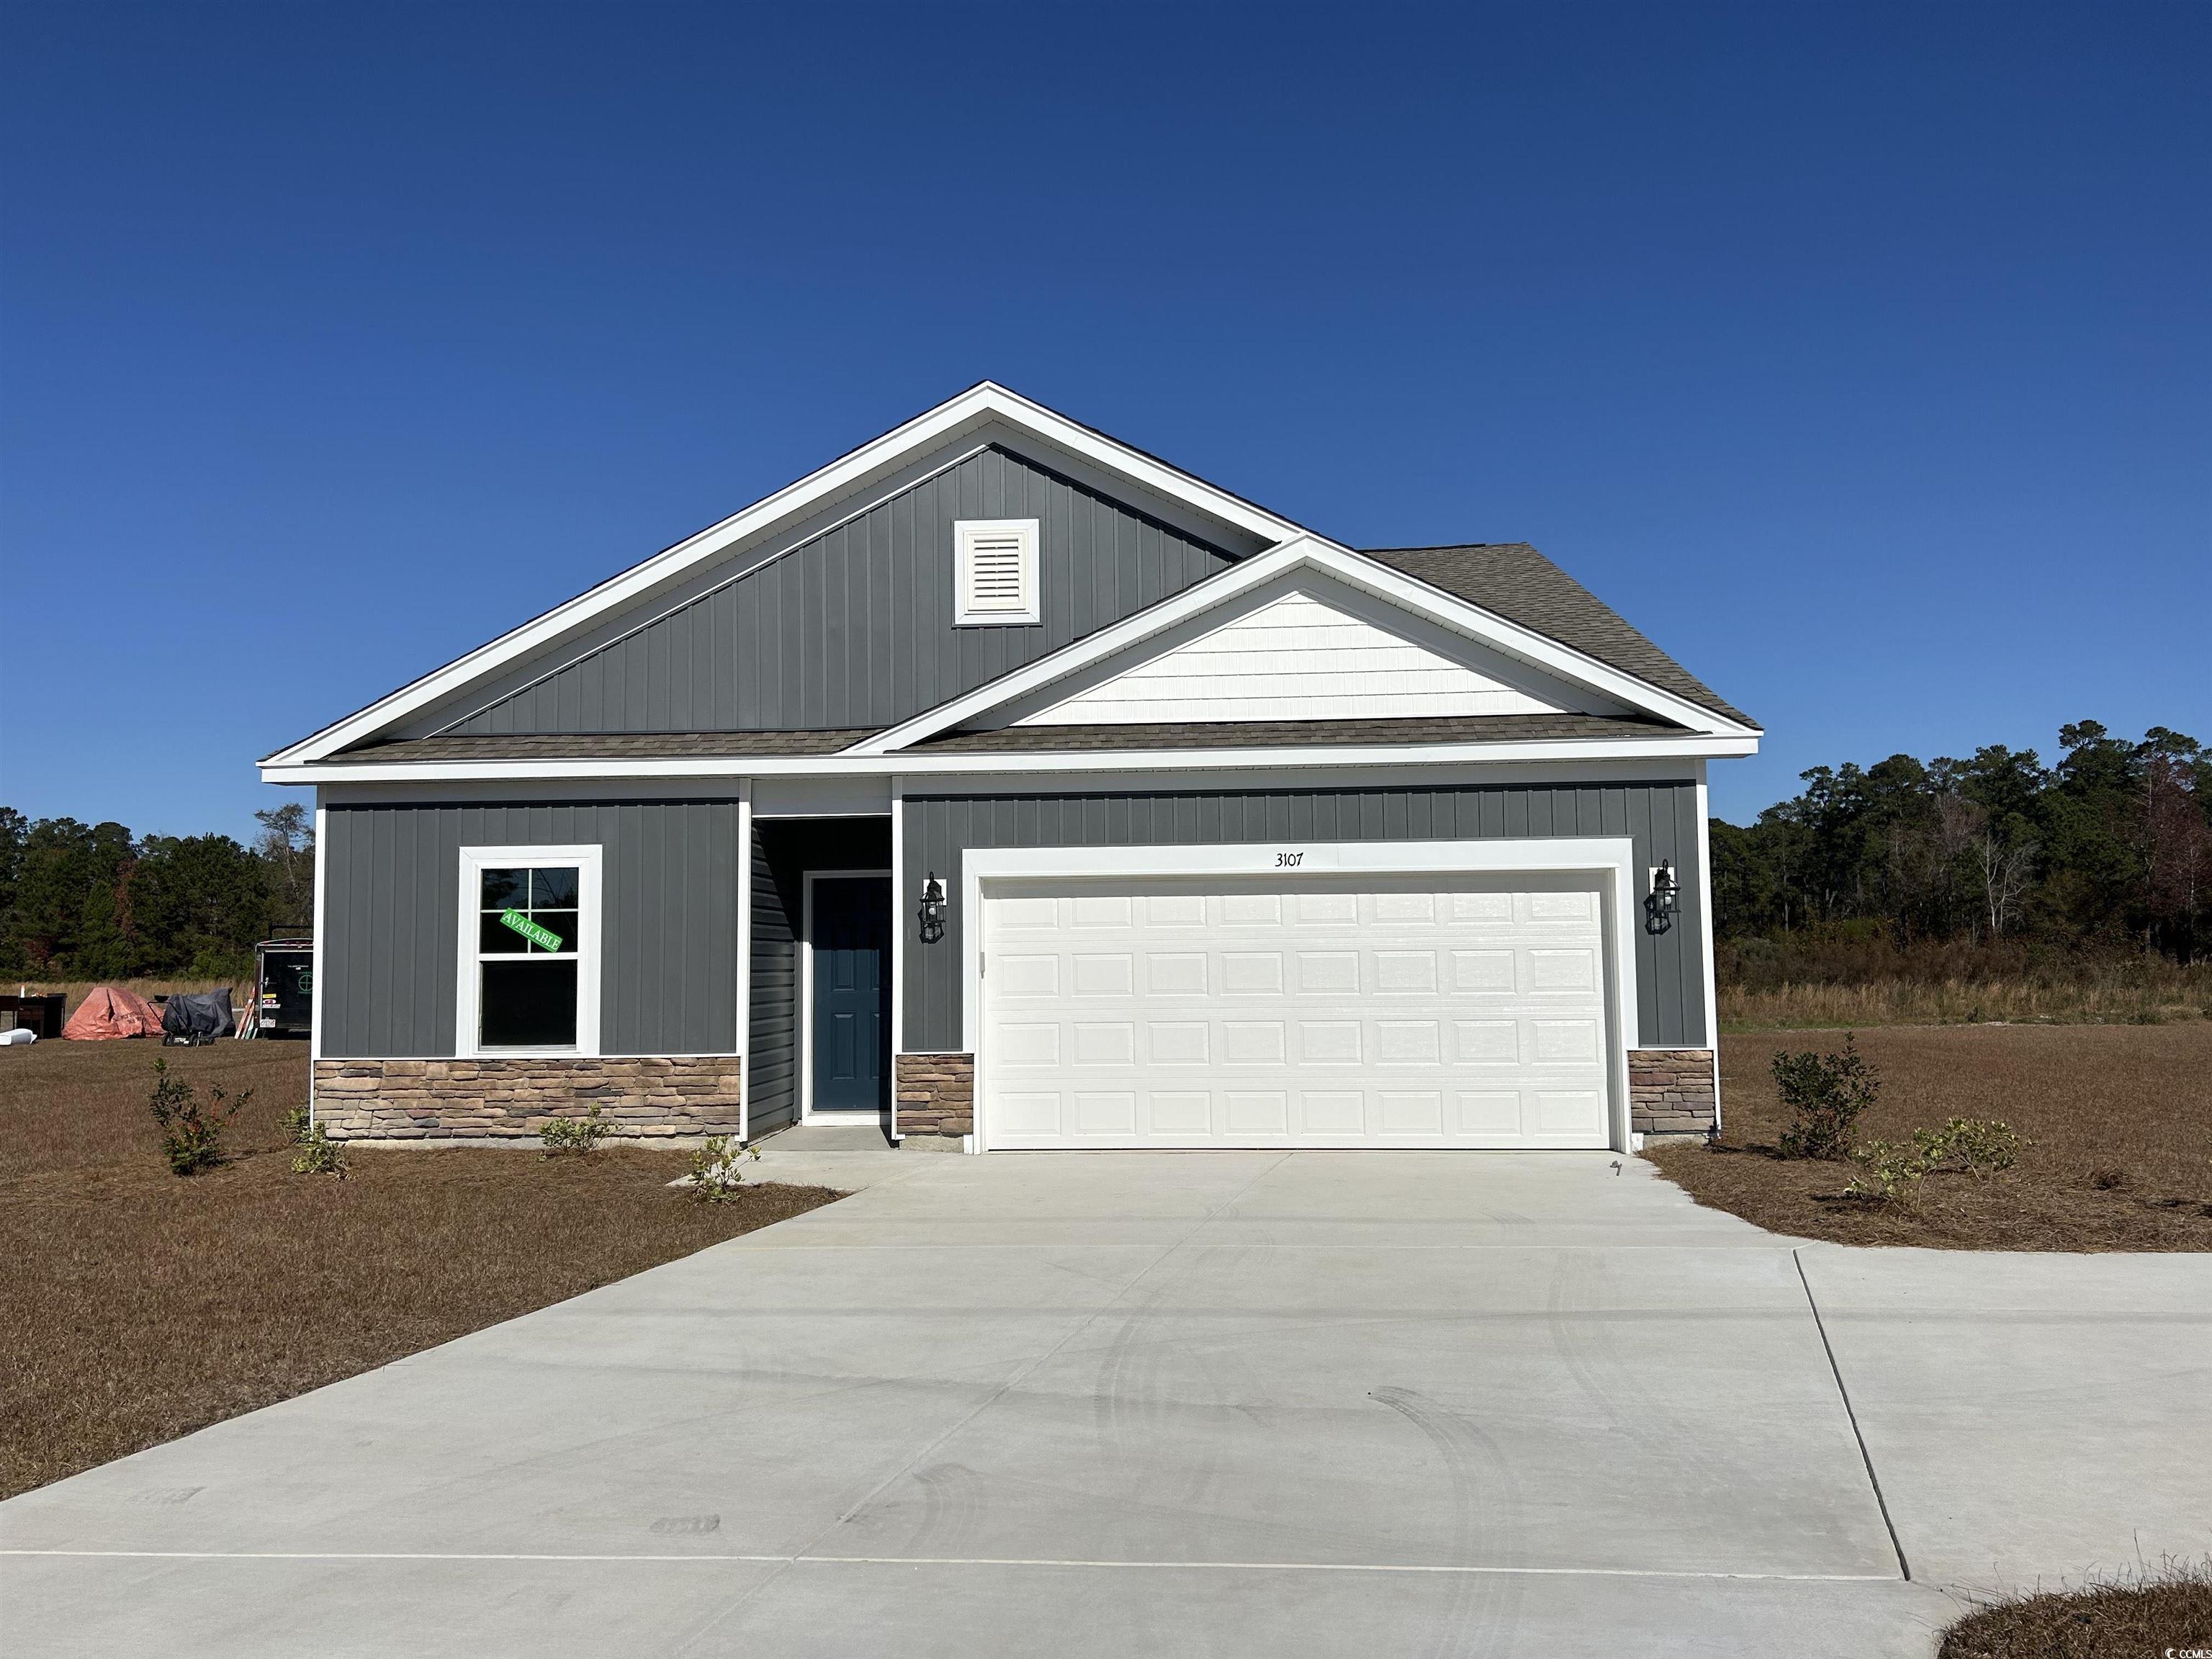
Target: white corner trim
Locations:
point(1307, 550)
point(1712, 960)
point(850, 471)
point(322, 919)
point(591, 917)
point(1612, 858)
point(898, 942)
point(743, 1033)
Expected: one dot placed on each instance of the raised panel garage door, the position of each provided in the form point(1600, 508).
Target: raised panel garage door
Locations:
point(1430, 1011)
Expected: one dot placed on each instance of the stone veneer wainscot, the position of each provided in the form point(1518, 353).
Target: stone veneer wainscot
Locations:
point(936, 1094)
point(642, 1097)
point(1671, 1092)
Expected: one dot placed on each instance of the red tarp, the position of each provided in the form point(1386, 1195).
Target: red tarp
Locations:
point(108, 1013)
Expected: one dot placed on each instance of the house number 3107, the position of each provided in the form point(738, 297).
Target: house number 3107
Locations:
point(1289, 860)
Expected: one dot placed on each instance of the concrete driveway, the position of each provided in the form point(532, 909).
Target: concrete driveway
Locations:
point(1439, 1404)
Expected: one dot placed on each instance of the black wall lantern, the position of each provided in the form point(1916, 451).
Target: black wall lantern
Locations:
point(932, 908)
point(1664, 899)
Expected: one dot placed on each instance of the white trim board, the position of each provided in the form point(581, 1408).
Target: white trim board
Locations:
point(743, 1035)
point(1705, 941)
point(1610, 858)
point(591, 916)
point(804, 1047)
point(898, 942)
point(849, 472)
point(726, 788)
point(322, 918)
point(1675, 769)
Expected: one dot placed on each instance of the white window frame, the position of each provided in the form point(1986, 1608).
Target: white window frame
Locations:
point(965, 533)
point(474, 861)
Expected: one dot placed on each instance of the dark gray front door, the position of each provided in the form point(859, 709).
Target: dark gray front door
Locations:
point(852, 992)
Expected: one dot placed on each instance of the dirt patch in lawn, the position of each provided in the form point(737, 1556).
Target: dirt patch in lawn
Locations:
point(2113, 1621)
point(139, 1305)
point(2120, 1119)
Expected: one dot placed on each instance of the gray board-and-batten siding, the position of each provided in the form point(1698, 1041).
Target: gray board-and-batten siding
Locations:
point(851, 628)
point(1659, 818)
point(669, 874)
point(671, 869)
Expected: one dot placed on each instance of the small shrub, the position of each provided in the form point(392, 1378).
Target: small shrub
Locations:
point(1976, 1145)
point(192, 1134)
point(318, 1154)
point(1889, 1173)
point(563, 1136)
point(716, 1171)
point(1825, 1095)
point(295, 1123)
point(2166, 1609)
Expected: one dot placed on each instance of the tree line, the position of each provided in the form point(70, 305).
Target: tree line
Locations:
point(2107, 851)
point(81, 901)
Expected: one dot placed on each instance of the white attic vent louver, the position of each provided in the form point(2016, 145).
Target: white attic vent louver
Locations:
point(995, 572)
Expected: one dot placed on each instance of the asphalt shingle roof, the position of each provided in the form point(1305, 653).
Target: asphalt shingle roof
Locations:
point(1520, 584)
point(606, 745)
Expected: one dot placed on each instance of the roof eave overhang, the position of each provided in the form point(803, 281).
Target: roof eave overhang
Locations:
point(1688, 746)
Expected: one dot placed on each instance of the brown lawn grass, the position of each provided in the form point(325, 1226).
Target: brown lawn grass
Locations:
point(2119, 1118)
point(139, 1305)
point(2180, 995)
point(2108, 1621)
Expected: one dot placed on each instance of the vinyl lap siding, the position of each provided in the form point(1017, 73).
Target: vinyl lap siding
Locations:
point(1297, 659)
point(668, 957)
point(854, 628)
point(772, 1070)
point(1659, 818)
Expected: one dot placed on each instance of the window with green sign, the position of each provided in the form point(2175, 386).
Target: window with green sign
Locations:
point(530, 944)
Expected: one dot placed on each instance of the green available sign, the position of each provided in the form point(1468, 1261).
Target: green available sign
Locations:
point(543, 938)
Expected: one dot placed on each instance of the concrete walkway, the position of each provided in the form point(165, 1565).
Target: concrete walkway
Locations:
point(1227, 1403)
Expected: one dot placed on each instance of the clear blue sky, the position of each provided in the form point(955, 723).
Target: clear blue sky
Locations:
point(1860, 355)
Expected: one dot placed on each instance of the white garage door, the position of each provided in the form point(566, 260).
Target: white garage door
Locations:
point(1428, 1011)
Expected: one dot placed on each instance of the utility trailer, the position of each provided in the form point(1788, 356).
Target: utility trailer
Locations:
point(285, 986)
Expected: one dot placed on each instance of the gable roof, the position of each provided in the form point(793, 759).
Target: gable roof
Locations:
point(1416, 595)
point(1516, 581)
point(1503, 595)
point(849, 472)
